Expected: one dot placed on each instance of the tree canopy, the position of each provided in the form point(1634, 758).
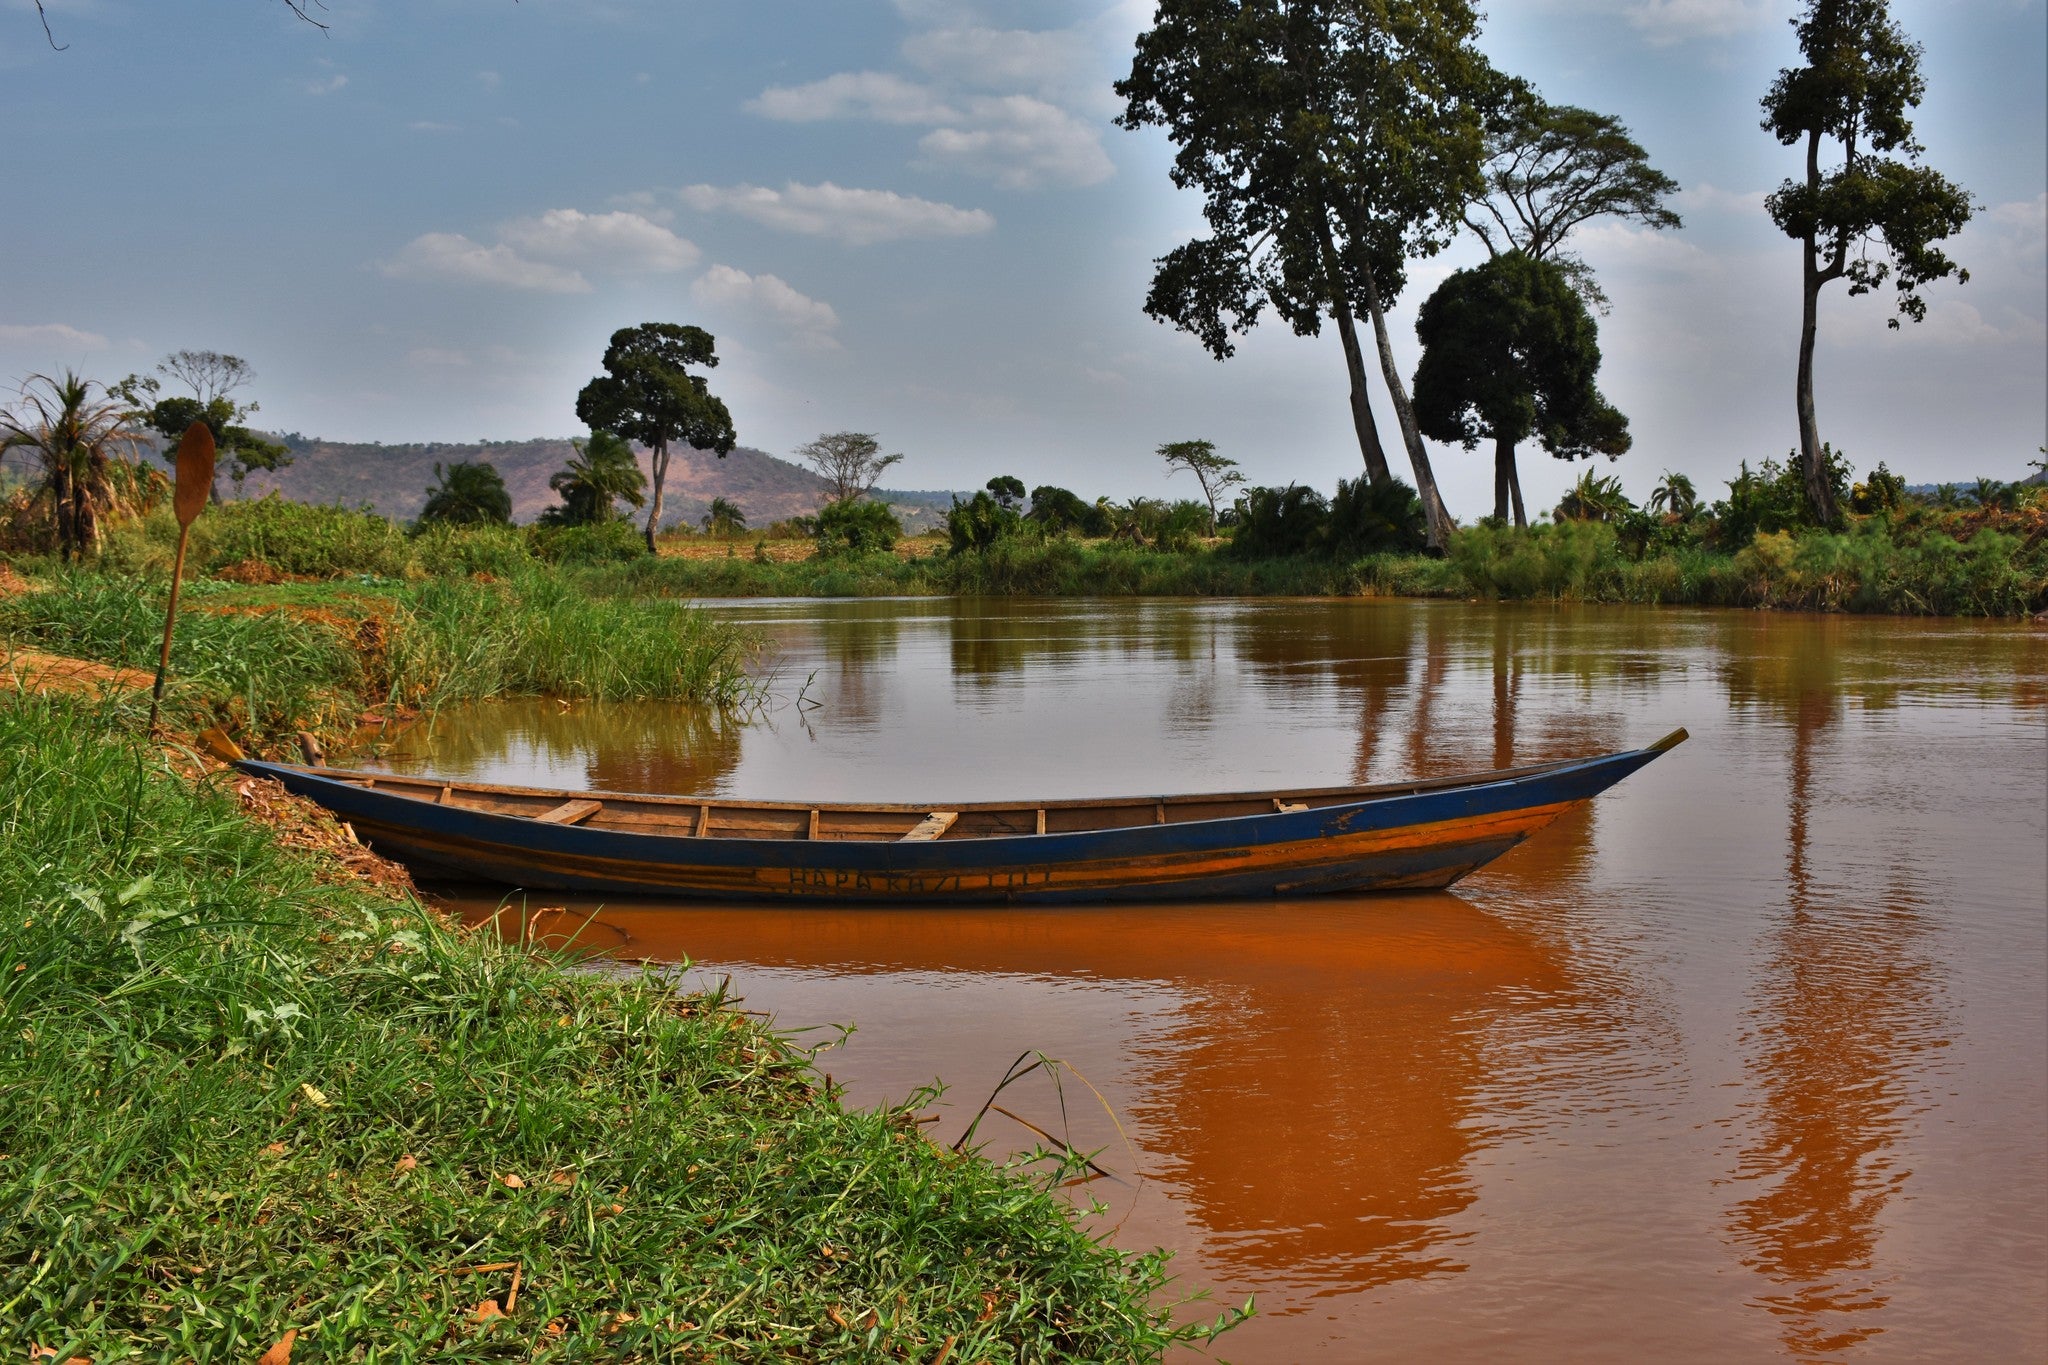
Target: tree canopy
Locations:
point(647, 394)
point(1331, 141)
point(851, 462)
point(213, 378)
point(1553, 168)
point(1217, 474)
point(1877, 214)
point(1510, 351)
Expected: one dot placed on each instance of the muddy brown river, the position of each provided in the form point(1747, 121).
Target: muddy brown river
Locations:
point(1747, 1061)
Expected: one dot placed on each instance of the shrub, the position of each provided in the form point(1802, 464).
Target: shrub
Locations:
point(597, 542)
point(857, 526)
point(443, 550)
point(1272, 522)
point(1059, 511)
point(979, 523)
point(1368, 518)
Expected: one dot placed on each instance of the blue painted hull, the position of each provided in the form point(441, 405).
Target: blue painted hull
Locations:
point(1425, 837)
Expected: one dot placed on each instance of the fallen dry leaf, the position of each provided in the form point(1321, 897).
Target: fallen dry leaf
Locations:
point(562, 1178)
point(512, 1182)
point(315, 1095)
point(408, 1162)
point(281, 1353)
point(275, 1149)
point(487, 1310)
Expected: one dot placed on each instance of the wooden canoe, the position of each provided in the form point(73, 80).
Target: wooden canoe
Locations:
point(1402, 835)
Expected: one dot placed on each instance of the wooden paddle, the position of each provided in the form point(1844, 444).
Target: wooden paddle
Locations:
point(195, 484)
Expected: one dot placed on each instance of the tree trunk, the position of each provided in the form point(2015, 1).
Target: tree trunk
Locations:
point(1515, 492)
point(1819, 496)
point(1376, 468)
point(1503, 476)
point(657, 464)
point(1425, 481)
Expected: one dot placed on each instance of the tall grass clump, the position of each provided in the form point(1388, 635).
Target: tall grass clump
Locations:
point(255, 670)
point(540, 635)
point(240, 1104)
point(285, 539)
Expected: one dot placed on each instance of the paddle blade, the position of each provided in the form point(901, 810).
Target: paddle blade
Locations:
point(195, 472)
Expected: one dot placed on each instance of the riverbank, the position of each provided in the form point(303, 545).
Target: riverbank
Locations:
point(240, 1102)
point(1918, 560)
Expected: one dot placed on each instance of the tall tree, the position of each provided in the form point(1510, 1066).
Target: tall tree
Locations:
point(79, 441)
point(1553, 168)
point(468, 493)
point(852, 462)
point(1877, 213)
point(1332, 140)
point(213, 377)
point(1217, 474)
point(647, 394)
point(1510, 351)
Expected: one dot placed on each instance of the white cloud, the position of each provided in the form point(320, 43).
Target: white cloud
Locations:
point(1002, 104)
point(452, 256)
point(2023, 228)
point(435, 355)
point(1675, 21)
point(489, 80)
point(810, 320)
point(326, 85)
point(50, 334)
point(1020, 143)
point(429, 126)
point(612, 241)
point(1043, 60)
point(851, 94)
point(1950, 324)
point(1713, 199)
point(859, 217)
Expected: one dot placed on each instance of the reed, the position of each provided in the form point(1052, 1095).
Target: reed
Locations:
point(238, 1101)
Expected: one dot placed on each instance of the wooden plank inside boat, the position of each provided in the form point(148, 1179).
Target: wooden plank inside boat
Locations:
point(932, 826)
point(570, 813)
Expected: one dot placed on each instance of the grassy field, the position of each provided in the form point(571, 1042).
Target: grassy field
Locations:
point(238, 1101)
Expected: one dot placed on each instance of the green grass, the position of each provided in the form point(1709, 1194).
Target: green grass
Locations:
point(266, 662)
point(236, 1101)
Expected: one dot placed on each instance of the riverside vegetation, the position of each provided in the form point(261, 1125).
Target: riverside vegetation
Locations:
point(241, 1104)
point(1981, 551)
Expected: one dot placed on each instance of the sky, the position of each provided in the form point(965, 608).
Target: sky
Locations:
point(916, 219)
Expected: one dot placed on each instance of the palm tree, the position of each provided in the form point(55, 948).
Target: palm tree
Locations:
point(599, 474)
point(468, 493)
point(80, 444)
point(1989, 493)
point(1675, 495)
point(725, 518)
point(1595, 497)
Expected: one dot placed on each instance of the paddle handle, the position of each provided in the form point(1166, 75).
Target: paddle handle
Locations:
point(163, 658)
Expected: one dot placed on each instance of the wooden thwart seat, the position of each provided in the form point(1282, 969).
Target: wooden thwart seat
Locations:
point(570, 813)
point(931, 827)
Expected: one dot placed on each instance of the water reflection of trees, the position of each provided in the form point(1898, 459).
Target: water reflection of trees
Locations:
point(1459, 688)
point(1846, 1019)
point(660, 747)
point(995, 639)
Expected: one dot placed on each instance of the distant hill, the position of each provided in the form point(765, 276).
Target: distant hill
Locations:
point(393, 479)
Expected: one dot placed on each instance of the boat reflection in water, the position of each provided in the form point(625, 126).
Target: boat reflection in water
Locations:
point(1297, 1077)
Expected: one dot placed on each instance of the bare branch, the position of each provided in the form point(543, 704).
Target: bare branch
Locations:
point(41, 14)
